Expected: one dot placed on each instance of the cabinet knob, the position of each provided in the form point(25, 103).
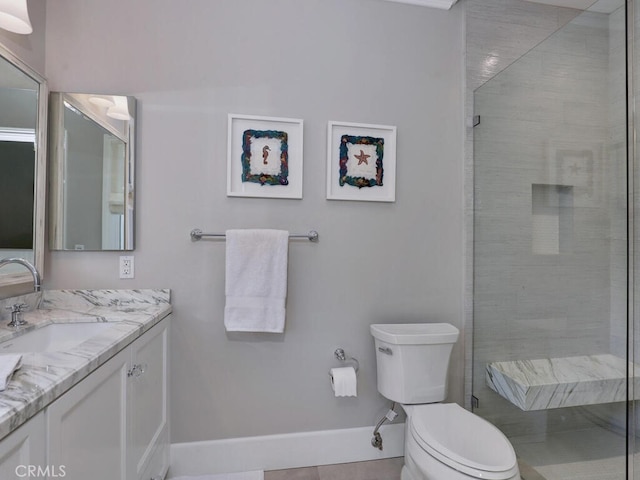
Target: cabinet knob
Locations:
point(137, 370)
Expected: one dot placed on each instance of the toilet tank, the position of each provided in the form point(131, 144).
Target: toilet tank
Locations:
point(413, 359)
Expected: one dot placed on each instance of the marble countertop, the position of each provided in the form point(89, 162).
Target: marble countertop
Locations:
point(45, 376)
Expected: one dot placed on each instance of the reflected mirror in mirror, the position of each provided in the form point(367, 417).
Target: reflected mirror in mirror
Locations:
point(23, 110)
point(91, 171)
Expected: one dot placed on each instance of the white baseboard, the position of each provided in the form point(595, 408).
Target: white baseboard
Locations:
point(224, 476)
point(292, 450)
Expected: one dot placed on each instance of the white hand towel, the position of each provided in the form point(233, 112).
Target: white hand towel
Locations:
point(256, 280)
point(9, 363)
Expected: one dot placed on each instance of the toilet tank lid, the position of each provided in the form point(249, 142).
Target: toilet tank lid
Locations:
point(415, 333)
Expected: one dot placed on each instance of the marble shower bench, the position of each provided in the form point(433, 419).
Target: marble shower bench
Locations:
point(542, 384)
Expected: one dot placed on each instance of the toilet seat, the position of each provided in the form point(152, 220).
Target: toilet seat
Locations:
point(463, 441)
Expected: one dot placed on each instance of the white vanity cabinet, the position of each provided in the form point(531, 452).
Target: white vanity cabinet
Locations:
point(24, 449)
point(113, 425)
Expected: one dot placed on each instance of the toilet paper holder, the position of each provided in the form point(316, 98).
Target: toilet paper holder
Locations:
point(340, 355)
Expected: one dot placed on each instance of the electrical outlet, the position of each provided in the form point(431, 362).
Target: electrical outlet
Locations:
point(126, 267)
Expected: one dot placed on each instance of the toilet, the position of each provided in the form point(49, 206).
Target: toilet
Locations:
point(443, 441)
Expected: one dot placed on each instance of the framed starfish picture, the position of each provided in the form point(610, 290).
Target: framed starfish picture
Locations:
point(264, 157)
point(361, 162)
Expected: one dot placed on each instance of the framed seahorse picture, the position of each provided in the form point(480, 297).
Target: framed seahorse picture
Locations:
point(264, 157)
point(361, 162)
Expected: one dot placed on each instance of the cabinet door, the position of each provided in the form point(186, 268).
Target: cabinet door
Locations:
point(24, 450)
point(148, 408)
point(87, 425)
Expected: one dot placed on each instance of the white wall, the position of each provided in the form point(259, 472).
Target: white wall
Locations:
point(190, 64)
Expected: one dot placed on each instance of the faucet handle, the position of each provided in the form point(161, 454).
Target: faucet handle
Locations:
point(17, 307)
point(16, 317)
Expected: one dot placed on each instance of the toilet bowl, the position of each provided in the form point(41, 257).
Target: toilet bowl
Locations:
point(443, 441)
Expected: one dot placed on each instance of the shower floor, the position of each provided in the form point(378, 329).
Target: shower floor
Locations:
point(594, 453)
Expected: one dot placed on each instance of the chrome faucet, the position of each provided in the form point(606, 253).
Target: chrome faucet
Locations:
point(25, 263)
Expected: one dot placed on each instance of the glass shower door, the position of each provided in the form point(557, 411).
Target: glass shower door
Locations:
point(550, 252)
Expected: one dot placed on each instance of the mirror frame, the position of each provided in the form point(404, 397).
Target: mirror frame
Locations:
point(18, 283)
point(56, 149)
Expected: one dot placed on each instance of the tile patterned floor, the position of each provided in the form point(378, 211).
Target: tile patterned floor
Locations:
point(387, 469)
point(587, 454)
point(527, 472)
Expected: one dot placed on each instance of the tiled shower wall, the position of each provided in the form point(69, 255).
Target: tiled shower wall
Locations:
point(549, 236)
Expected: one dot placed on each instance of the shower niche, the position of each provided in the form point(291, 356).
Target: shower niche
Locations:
point(551, 219)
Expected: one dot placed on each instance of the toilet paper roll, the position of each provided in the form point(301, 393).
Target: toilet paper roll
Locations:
point(344, 382)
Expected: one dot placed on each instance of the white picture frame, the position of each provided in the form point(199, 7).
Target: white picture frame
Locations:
point(264, 156)
point(361, 162)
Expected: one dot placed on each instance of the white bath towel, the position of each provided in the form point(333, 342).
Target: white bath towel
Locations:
point(256, 280)
point(9, 363)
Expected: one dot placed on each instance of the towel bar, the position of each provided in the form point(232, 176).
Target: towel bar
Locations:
point(197, 234)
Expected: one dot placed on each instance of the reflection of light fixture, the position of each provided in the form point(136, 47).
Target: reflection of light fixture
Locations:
point(14, 16)
point(102, 101)
point(119, 111)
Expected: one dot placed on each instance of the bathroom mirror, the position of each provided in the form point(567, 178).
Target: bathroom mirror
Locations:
point(92, 171)
point(23, 121)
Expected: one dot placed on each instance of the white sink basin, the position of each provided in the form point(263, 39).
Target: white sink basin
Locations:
point(54, 337)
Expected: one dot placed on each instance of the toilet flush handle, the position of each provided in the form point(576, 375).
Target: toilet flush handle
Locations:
point(385, 350)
